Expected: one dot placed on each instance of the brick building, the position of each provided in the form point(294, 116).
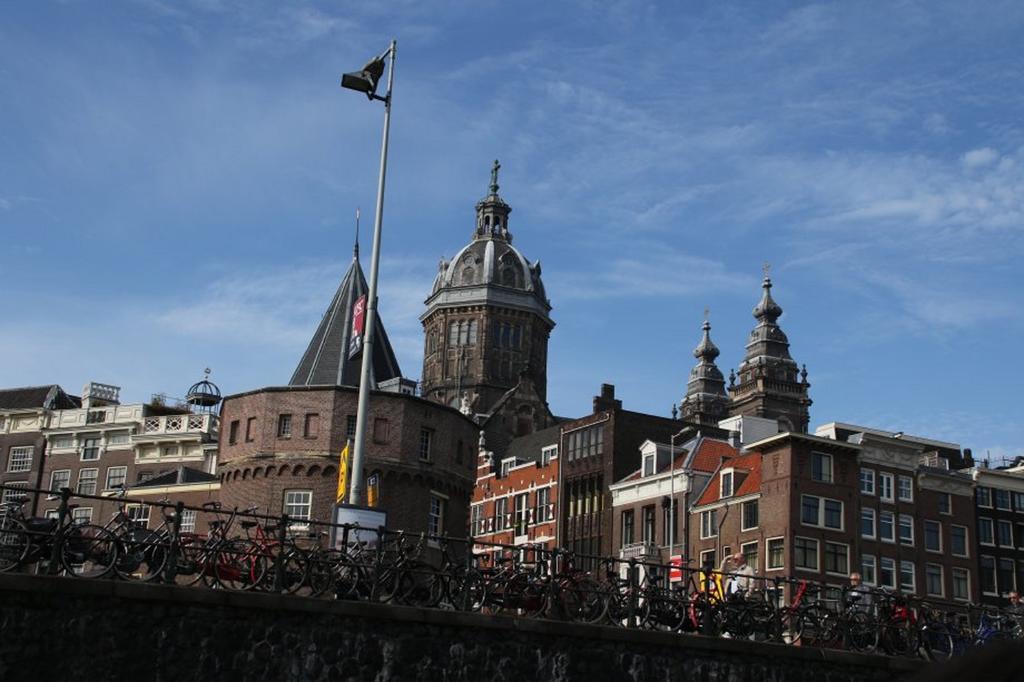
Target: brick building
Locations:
point(281, 447)
point(486, 330)
point(515, 499)
point(24, 414)
point(999, 538)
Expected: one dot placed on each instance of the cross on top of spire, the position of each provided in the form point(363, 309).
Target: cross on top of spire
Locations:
point(494, 177)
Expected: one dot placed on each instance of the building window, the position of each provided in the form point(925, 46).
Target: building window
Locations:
point(726, 479)
point(933, 580)
point(648, 525)
point(298, 504)
point(868, 569)
point(805, 553)
point(62, 442)
point(821, 512)
point(12, 493)
point(750, 553)
point(821, 467)
point(885, 486)
point(887, 572)
point(867, 481)
point(380, 430)
point(987, 574)
point(707, 558)
point(1020, 536)
point(669, 525)
point(1002, 499)
point(96, 416)
point(284, 426)
point(649, 461)
point(87, 481)
point(907, 579)
point(1004, 533)
point(19, 458)
point(500, 513)
point(435, 519)
point(588, 442)
point(1018, 502)
point(945, 503)
point(547, 454)
point(350, 426)
point(1005, 578)
point(250, 429)
point(776, 551)
point(90, 449)
point(139, 514)
point(60, 479)
point(81, 515)
point(627, 527)
point(543, 502)
point(983, 496)
point(311, 426)
point(476, 520)
point(522, 503)
point(837, 558)
point(906, 529)
point(886, 526)
point(709, 524)
point(426, 437)
point(906, 490)
point(116, 477)
point(188, 521)
point(961, 584)
point(118, 438)
point(933, 536)
point(986, 534)
point(867, 523)
point(750, 519)
point(233, 433)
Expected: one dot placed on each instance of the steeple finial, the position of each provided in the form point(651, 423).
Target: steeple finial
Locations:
point(355, 249)
point(766, 268)
point(494, 177)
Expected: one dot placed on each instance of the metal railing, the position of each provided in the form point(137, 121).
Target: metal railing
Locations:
point(248, 551)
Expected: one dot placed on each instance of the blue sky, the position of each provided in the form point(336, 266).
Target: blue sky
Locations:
point(178, 182)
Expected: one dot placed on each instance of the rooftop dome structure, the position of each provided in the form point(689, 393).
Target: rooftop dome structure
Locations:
point(204, 396)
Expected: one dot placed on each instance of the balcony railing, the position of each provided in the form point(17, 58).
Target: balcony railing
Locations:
point(178, 423)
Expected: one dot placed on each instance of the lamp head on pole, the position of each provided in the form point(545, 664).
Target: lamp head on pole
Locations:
point(366, 79)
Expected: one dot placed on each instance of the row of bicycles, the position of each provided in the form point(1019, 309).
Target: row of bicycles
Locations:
point(245, 551)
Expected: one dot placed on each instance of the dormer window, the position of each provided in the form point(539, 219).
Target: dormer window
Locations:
point(726, 483)
point(649, 464)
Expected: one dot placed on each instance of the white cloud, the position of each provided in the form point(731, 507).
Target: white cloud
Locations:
point(980, 157)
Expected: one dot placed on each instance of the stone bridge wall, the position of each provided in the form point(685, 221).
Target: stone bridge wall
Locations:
point(68, 629)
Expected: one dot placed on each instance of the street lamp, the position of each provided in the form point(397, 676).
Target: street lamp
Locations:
point(672, 492)
point(366, 81)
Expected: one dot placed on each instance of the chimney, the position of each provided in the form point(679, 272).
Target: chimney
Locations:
point(607, 401)
point(968, 458)
point(100, 395)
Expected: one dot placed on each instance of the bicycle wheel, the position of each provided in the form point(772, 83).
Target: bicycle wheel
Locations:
point(591, 605)
point(14, 543)
point(195, 561)
point(142, 555)
point(522, 595)
point(88, 551)
point(861, 632)
point(812, 627)
point(239, 565)
point(937, 641)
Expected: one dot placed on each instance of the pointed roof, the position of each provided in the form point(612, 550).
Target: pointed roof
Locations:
point(768, 343)
point(326, 360)
point(705, 401)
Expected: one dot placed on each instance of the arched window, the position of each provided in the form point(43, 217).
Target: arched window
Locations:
point(472, 333)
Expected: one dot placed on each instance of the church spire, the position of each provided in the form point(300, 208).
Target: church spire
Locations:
point(492, 212)
point(355, 248)
point(705, 401)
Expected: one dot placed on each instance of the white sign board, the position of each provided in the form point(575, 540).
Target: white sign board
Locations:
point(368, 521)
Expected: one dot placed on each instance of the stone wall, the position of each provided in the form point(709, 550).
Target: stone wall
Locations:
point(68, 629)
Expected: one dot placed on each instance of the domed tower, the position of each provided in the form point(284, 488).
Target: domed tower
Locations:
point(204, 396)
point(487, 325)
point(770, 383)
point(705, 402)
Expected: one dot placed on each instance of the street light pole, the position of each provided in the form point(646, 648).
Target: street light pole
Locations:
point(356, 496)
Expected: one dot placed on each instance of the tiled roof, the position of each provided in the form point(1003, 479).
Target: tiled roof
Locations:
point(707, 456)
point(749, 463)
point(528, 447)
point(50, 397)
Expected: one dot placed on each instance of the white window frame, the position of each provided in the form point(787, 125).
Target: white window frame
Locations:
point(824, 570)
point(743, 515)
point(54, 473)
point(942, 580)
point(982, 520)
point(939, 524)
point(81, 515)
point(995, 574)
point(188, 521)
point(874, 522)
point(436, 519)
point(547, 454)
point(124, 476)
point(886, 486)
point(1009, 499)
point(703, 554)
point(894, 571)
point(111, 442)
point(709, 524)
point(913, 574)
point(85, 446)
point(1003, 523)
point(827, 476)
point(983, 496)
point(21, 451)
point(967, 541)
point(756, 544)
point(139, 514)
point(650, 464)
point(817, 553)
point(821, 513)
point(727, 490)
point(966, 573)
point(949, 504)
point(899, 533)
point(500, 512)
point(864, 570)
point(95, 480)
point(296, 503)
point(893, 524)
point(14, 490)
point(768, 553)
point(863, 480)
point(909, 488)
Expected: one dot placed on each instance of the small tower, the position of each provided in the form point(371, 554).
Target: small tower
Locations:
point(769, 382)
point(705, 402)
point(204, 396)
